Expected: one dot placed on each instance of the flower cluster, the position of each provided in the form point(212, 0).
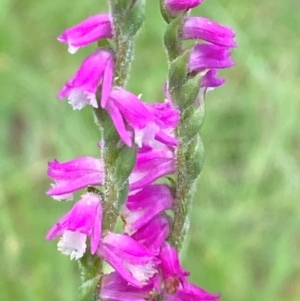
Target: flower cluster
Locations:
point(213, 55)
point(144, 262)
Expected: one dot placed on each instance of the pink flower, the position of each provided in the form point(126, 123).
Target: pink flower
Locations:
point(145, 205)
point(84, 219)
point(125, 107)
point(169, 285)
point(172, 273)
point(207, 56)
point(151, 165)
point(82, 87)
point(174, 278)
point(166, 118)
point(153, 234)
point(131, 260)
point(191, 292)
point(88, 31)
point(74, 175)
point(115, 288)
point(148, 124)
point(166, 114)
point(178, 5)
point(210, 79)
point(209, 31)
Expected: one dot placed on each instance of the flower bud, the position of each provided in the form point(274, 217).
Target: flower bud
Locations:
point(179, 5)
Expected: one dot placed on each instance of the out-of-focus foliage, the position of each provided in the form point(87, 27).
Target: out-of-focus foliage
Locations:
point(245, 229)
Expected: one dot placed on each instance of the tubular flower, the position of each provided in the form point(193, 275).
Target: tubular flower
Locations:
point(210, 79)
point(82, 87)
point(151, 164)
point(88, 31)
point(123, 106)
point(134, 262)
point(83, 220)
point(115, 288)
point(150, 124)
point(172, 273)
point(74, 175)
point(209, 31)
point(167, 118)
point(153, 234)
point(179, 5)
point(145, 205)
point(207, 56)
point(191, 292)
point(174, 278)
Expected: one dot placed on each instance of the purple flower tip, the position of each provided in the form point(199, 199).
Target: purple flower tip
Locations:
point(208, 56)
point(178, 5)
point(210, 79)
point(209, 31)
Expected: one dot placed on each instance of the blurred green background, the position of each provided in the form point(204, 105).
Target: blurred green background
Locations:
point(245, 230)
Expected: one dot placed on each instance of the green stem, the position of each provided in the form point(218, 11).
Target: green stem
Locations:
point(182, 202)
point(184, 90)
point(124, 56)
point(190, 160)
point(91, 268)
point(110, 151)
point(113, 190)
point(128, 17)
point(124, 48)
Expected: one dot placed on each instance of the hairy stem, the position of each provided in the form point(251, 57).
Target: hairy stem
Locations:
point(182, 202)
point(184, 90)
point(115, 188)
point(188, 169)
point(124, 48)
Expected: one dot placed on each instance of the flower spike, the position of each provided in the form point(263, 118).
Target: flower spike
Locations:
point(150, 154)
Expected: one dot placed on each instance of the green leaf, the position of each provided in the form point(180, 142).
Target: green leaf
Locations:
point(191, 127)
point(188, 93)
point(194, 159)
point(129, 17)
point(107, 128)
point(178, 74)
point(135, 18)
point(124, 163)
point(89, 290)
point(121, 5)
point(104, 43)
point(123, 194)
point(172, 38)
